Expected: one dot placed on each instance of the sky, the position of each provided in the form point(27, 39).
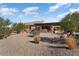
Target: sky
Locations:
point(28, 12)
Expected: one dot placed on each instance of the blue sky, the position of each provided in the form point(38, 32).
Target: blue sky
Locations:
point(28, 12)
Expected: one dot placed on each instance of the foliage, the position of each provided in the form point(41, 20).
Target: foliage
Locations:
point(19, 27)
point(4, 29)
point(70, 22)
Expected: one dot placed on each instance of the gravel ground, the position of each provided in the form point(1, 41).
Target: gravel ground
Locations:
point(21, 45)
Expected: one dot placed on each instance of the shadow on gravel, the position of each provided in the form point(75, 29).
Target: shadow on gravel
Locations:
point(59, 47)
point(30, 36)
point(32, 42)
point(53, 40)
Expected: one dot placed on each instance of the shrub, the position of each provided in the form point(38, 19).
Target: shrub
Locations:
point(4, 29)
point(18, 27)
point(4, 32)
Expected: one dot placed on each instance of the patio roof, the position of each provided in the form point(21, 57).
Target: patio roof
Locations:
point(53, 23)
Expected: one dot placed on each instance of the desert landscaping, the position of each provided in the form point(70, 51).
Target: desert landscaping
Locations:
point(39, 29)
point(22, 45)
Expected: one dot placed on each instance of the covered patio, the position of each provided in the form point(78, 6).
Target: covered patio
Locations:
point(48, 26)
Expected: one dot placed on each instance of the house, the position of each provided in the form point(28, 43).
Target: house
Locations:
point(31, 25)
point(42, 26)
point(54, 26)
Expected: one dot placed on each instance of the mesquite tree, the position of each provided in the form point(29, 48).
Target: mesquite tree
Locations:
point(70, 22)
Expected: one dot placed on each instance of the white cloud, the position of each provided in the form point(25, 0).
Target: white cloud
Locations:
point(71, 10)
point(20, 16)
point(74, 10)
point(68, 5)
point(31, 10)
point(57, 6)
point(8, 11)
point(53, 8)
point(62, 15)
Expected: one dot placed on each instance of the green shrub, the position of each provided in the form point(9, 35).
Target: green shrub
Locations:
point(19, 27)
point(4, 29)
